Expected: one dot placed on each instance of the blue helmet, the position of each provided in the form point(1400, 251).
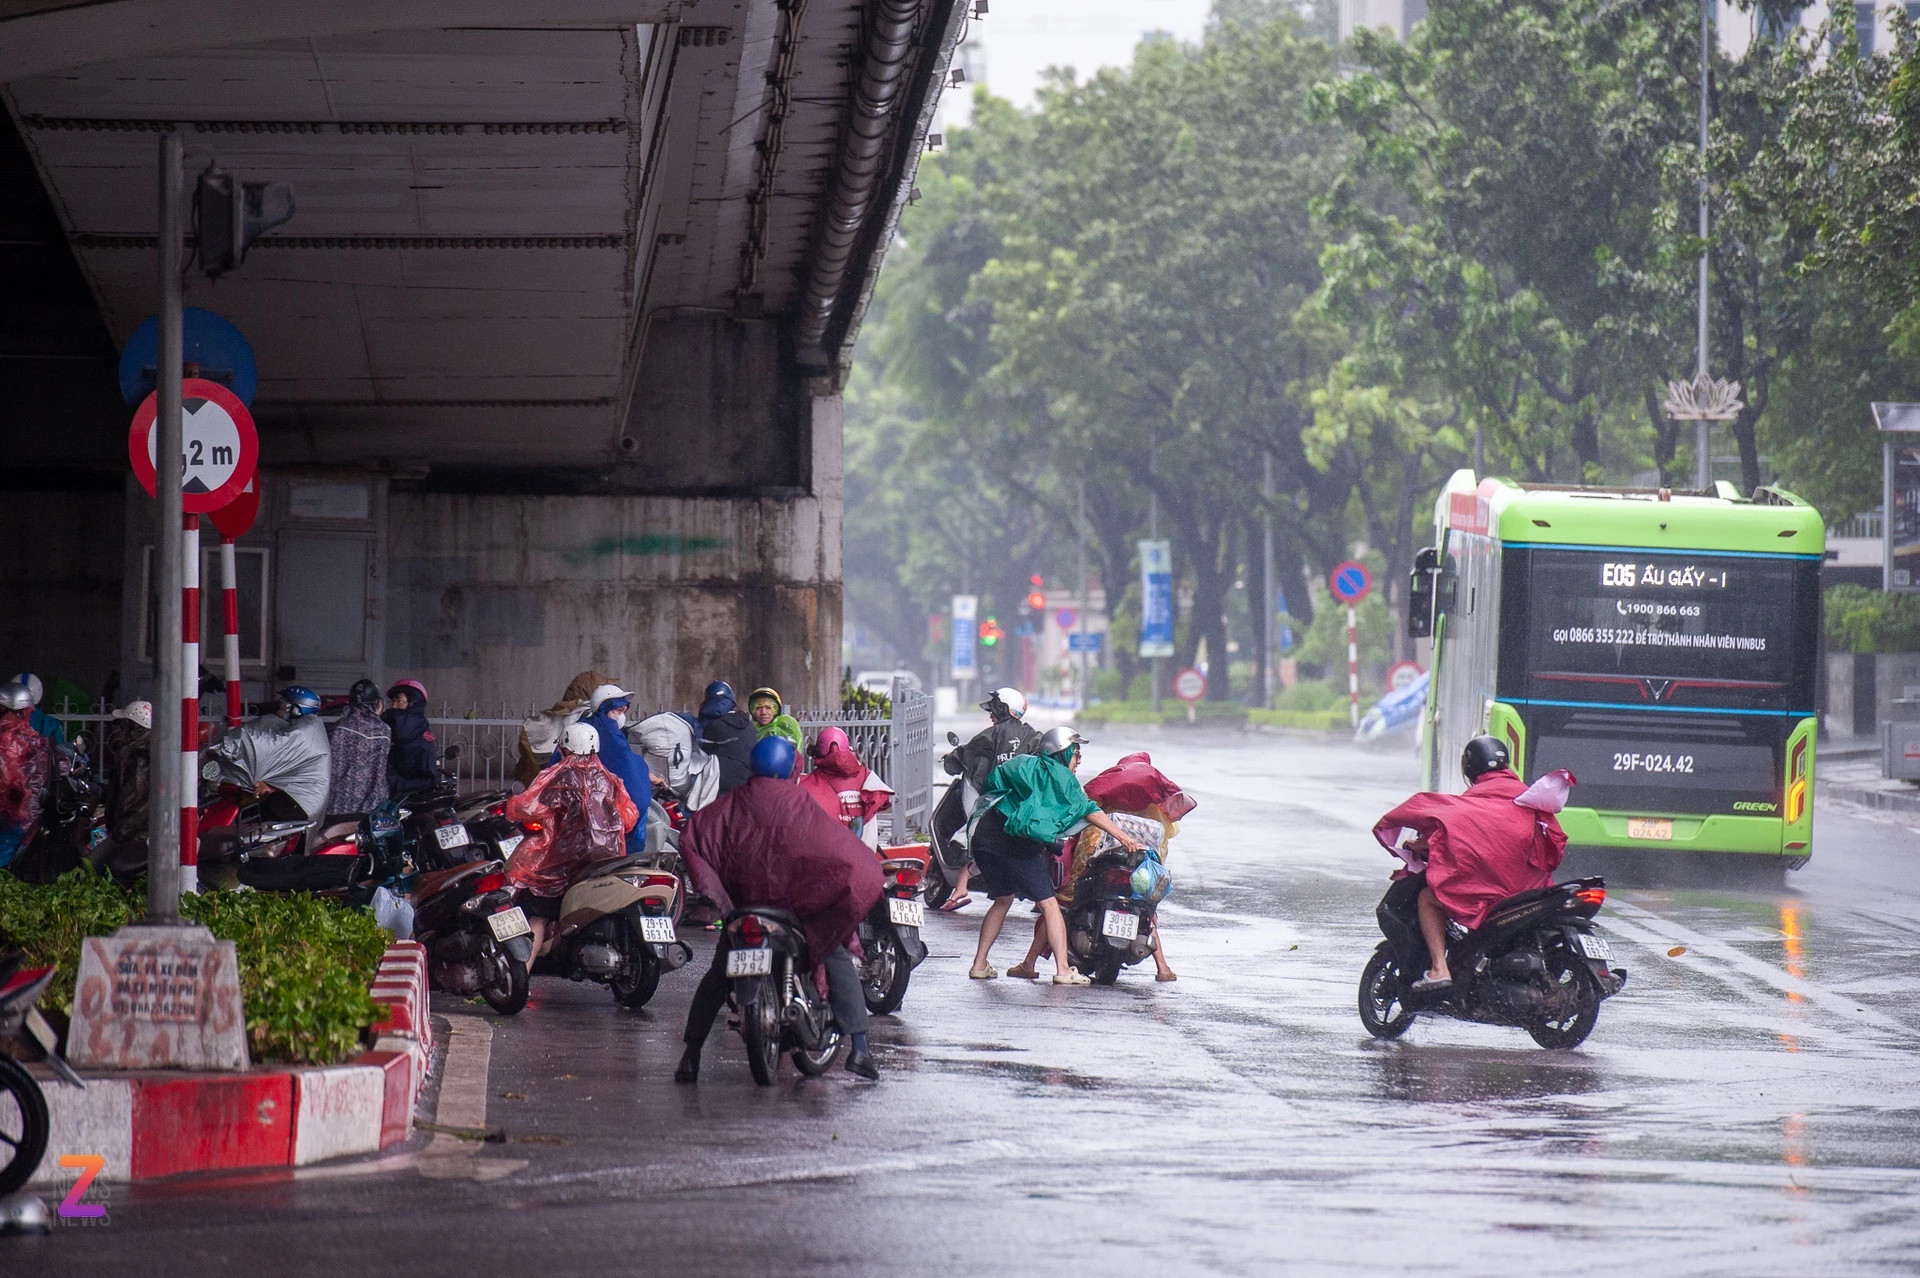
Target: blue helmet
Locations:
point(773, 757)
point(300, 700)
point(719, 688)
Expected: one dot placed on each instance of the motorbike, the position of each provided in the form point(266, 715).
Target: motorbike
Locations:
point(477, 940)
point(890, 934)
point(616, 927)
point(24, 1121)
point(773, 990)
point(346, 858)
point(1116, 898)
point(1535, 963)
point(947, 859)
point(72, 822)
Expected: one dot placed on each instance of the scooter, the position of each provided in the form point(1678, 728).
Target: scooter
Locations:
point(948, 859)
point(1115, 901)
point(478, 941)
point(780, 1006)
point(890, 934)
point(616, 927)
point(1535, 963)
point(24, 1122)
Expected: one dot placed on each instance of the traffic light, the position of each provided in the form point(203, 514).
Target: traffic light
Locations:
point(991, 633)
point(1037, 601)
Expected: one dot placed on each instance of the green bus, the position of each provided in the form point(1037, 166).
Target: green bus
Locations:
point(1659, 645)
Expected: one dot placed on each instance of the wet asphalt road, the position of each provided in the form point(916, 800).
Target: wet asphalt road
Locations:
point(1745, 1107)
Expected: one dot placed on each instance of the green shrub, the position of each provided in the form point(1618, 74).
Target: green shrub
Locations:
point(1310, 694)
point(1863, 620)
point(1324, 720)
point(1171, 711)
point(305, 963)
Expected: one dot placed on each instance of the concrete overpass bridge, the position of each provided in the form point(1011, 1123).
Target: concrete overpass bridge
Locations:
point(549, 357)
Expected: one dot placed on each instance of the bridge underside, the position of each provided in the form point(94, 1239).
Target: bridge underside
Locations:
point(549, 355)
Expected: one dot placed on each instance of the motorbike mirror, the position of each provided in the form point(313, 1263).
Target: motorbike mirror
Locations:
point(79, 743)
point(953, 738)
point(451, 753)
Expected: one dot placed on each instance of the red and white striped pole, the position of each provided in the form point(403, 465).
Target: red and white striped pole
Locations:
point(230, 626)
point(1353, 666)
point(190, 705)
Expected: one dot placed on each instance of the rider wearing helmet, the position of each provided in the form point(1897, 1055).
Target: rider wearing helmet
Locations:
point(1478, 848)
point(43, 723)
point(26, 770)
point(612, 708)
point(283, 757)
point(361, 743)
point(1030, 803)
point(1008, 734)
point(578, 817)
point(767, 843)
point(413, 761)
point(727, 734)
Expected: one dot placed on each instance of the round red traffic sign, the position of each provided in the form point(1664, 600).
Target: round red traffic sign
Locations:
point(218, 448)
point(234, 518)
point(1401, 674)
point(1189, 685)
point(1350, 582)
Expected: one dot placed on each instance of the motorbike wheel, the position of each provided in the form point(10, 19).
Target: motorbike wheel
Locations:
point(506, 991)
point(1106, 967)
point(634, 991)
point(934, 888)
point(24, 1126)
point(761, 1028)
point(1572, 1029)
point(814, 1064)
point(883, 982)
point(1381, 1010)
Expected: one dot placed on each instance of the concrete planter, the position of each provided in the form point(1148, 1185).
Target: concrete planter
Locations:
point(1861, 689)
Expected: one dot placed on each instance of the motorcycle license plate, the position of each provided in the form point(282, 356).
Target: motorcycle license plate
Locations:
point(508, 924)
point(452, 836)
point(508, 845)
point(906, 913)
point(749, 962)
point(1595, 947)
point(1120, 925)
point(656, 930)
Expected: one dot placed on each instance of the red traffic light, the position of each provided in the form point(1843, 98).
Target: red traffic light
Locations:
point(1036, 580)
point(1037, 601)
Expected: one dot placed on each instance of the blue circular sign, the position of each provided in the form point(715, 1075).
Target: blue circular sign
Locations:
point(1350, 582)
point(210, 341)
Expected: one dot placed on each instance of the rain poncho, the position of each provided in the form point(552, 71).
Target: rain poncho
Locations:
point(413, 757)
point(845, 788)
point(540, 733)
point(728, 735)
point(765, 843)
point(781, 724)
point(618, 758)
point(1482, 846)
point(1040, 798)
point(291, 756)
point(1135, 785)
point(584, 816)
point(360, 743)
point(129, 759)
point(667, 748)
point(26, 768)
point(992, 746)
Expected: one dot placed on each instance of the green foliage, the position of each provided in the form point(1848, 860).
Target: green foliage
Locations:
point(1866, 621)
point(1172, 712)
point(305, 963)
point(855, 698)
point(1302, 720)
point(1311, 696)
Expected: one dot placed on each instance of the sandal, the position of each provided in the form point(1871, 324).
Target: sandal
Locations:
point(983, 974)
point(1024, 972)
point(1070, 977)
point(960, 902)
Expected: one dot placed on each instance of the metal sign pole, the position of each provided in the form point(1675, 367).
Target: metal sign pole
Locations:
point(1703, 428)
point(1267, 656)
point(1153, 534)
point(1353, 666)
point(1080, 521)
point(190, 704)
point(230, 626)
point(170, 793)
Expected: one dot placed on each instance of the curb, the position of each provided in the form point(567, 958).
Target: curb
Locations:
point(151, 1124)
point(1885, 800)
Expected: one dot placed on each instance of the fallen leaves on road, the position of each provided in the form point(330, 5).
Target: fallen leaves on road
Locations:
point(1676, 951)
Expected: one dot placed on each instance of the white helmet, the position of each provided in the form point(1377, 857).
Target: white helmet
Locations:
point(31, 682)
point(1009, 701)
point(607, 692)
point(580, 738)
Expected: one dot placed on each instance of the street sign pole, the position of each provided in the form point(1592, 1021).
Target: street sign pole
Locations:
point(1349, 582)
point(189, 703)
point(1080, 521)
point(1353, 666)
point(230, 626)
point(171, 790)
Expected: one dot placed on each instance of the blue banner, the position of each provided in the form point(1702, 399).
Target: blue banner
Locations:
point(1156, 599)
point(966, 626)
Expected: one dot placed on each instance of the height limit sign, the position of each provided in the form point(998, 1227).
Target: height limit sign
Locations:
point(218, 448)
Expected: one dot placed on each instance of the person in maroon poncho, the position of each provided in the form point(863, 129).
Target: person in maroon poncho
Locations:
point(1478, 848)
point(768, 843)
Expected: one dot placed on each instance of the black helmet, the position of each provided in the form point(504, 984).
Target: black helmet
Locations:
point(1483, 755)
point(365, 694)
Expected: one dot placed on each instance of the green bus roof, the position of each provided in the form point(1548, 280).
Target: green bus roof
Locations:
point(1774, 522)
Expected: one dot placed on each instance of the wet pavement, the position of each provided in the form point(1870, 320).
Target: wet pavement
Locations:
point(1748, 1105)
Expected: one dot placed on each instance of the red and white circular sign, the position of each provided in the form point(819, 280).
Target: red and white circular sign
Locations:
point(1189, 685)
point(218, 448)
point(1401, 674)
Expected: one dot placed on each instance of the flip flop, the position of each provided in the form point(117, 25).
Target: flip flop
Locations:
point(960, 902)
point(1433, 985)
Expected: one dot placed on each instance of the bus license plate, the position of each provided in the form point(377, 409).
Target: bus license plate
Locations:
point(1650, 828)
point(508, 924)
point(1120, 925)
point(749, 962)
point(452, 836)
point(1595, 947)
point(906, 913)
point(656, 929)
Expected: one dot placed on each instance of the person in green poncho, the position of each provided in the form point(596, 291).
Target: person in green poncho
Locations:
point(1029, 804)
point(765, 708)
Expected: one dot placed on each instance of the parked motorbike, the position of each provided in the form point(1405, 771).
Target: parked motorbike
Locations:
point(948, 859)
point(1116, 898)
point(346, 858)
point(24, 1122)
point(616, 927)
point(1535, 963)
point(478, 941)
point(780, 1006)
point(890, 934)
point(72, 821)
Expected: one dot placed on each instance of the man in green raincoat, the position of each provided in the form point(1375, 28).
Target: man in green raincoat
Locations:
point(770, 717)
point(1030, 803)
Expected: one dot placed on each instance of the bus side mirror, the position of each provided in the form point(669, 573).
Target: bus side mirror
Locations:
point(1420, 594)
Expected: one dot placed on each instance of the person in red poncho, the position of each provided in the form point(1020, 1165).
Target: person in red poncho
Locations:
point(583, 814)
point(767, 843)
point(846, 788)
point(1477, 848)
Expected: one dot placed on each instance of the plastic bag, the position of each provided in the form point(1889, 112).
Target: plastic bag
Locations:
point(394, 913)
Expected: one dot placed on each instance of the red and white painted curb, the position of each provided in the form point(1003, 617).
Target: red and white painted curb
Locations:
point(149, 1124)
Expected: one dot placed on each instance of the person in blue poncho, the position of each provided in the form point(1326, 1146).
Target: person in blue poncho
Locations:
point(612, 707)
point(1030, 803)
